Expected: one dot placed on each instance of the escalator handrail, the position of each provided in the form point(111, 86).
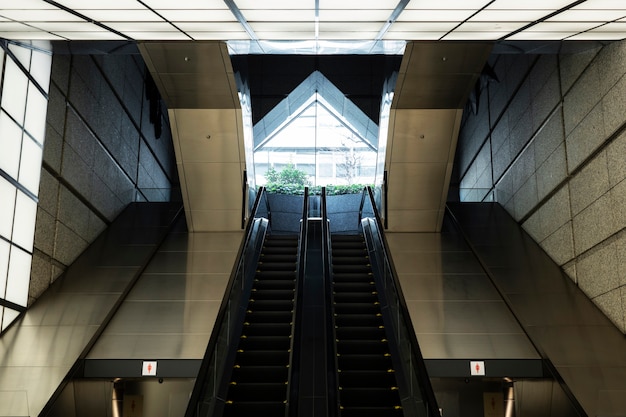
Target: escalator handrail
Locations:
point(426, 388)
point(294, 355)
point(361, 205)
point(332, 364)
point(213, 340)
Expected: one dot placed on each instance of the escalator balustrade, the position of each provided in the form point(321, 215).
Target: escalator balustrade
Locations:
point(258, 385)
point(366, 378)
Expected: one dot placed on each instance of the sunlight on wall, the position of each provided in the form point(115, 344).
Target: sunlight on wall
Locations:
point(23, 107)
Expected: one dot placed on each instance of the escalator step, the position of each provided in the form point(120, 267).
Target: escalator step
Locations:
point(276, 266)
point(261, 373)
point(364, 346)
point(265, 357)
point(353, 276)
point(279, 257)
point(360, 332)
point(274, 284)
point(351, 260)
point(369, 397)
point(365, 268)
point(341, 252)
point(271, 305)
point(353, 320)
point(357, 308)
point(269, 343)
point(371, 378)
point(267, 329)
point(356, 297)
point(277, 275)
point(258, 391)
point(371, 412)
point(364, 362)
point(272, 294)
point(258, 316)
point(255, 408)
point(354, 286)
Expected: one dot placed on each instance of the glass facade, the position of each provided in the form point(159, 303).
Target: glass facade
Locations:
point(24, 86)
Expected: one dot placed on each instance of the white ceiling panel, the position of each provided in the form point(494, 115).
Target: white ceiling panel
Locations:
point(423, 26)
point(354, 15)
point(599, 36)
point(501, 27)
point(108, 15)
point(101, 4)
point(220, 27)
point(447, 4)
point(68, 27)
point(142, 26)
point(287, 15)
point(581, 15)
point(424, 15)
point(216, 36)
point(184, 4)
point(16, 27)
point(24, 35)
point(282, 26)
point(170, 36)
point(25, 4)
point(477, 36)
point(350, 26)
point(570, 27)
point(89, 36)
point(358, 4)
point(533, 36)
point(360, 20)
point(344, 35)
point(529, 4)
point(42, 15)
point(275, 4)
point(526, 16)
point(404, 35)
point(601, 4)
point(213, 15)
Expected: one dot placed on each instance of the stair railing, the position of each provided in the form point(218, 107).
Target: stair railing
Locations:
point(208, 395)
point(331, 354)
point(418, 397)
point(293, 378)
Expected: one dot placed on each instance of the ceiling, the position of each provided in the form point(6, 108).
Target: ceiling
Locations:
point(313, 20)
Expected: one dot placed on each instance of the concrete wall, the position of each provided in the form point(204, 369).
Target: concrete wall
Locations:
point(548, 142)
point(100, 153)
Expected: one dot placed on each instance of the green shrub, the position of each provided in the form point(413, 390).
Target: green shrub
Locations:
point(291, 180)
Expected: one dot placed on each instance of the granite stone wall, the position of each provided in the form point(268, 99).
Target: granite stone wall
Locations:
point(548, 142)
point(108, 143)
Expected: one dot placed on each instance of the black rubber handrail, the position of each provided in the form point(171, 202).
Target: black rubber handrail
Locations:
point(332, 366)
point(203, 373)
point(428, 394)
point(294, 359)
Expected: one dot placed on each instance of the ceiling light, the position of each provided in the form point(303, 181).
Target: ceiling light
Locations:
point(100, 4)
point(549, 5)
point(434, 15)
point(45, 15)
point(214, 15)
point(509, 15)
point(447, 5)
point(100, 15)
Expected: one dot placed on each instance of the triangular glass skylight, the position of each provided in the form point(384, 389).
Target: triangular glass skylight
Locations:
point(318, 130)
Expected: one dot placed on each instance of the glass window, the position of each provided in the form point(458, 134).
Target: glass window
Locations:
point(41, 64)
point(4, 266)
point(36, 108)
point(7, 196)
point(11, 145)
point(19, 276)
point(14, 91)
point(24, 223)
point(22, 54)
point(30, 165)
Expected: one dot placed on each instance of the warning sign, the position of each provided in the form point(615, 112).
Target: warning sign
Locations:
point(477, 368)
point(149, 368)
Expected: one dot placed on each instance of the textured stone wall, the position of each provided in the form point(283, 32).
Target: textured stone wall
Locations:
point(101, 152)
point(548, 142)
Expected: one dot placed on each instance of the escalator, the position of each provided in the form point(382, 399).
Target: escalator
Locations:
point(366, 378)
point(259, 381)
